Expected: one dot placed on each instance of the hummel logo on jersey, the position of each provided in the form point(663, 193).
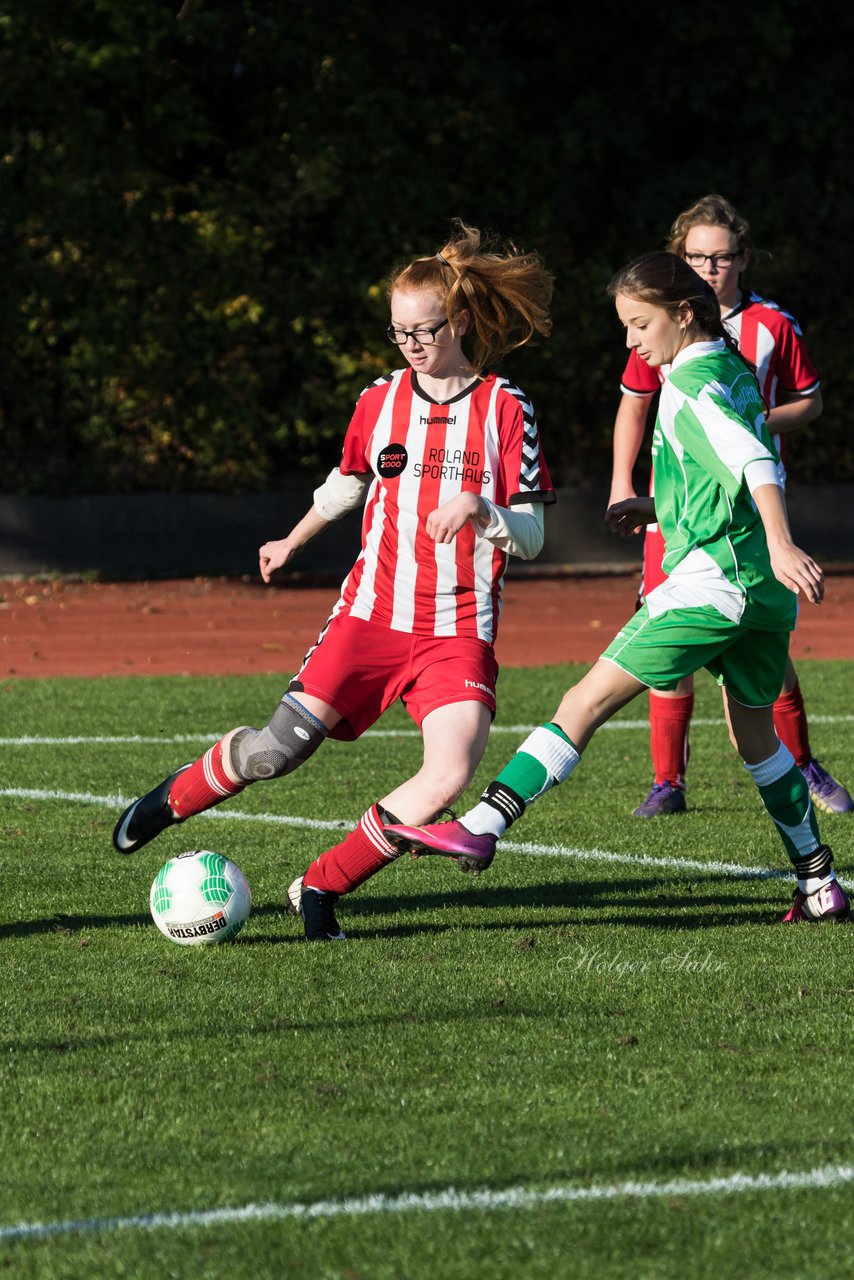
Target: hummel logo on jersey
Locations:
point(430, 422)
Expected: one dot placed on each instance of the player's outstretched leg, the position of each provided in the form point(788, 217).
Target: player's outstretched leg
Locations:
point(243, 756)
point(191, 789)
point(545, 758)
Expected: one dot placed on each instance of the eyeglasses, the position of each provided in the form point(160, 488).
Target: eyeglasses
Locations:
point(423, 337)
point(715, 260)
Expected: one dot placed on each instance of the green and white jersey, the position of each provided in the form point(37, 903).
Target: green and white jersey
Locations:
point(710, 448)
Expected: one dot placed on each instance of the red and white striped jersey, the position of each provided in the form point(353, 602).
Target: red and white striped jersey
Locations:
point(421, 454)
point(769, 338)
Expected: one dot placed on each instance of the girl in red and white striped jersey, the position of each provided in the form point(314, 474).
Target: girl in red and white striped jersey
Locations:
point(444, 456)
point(715, 240)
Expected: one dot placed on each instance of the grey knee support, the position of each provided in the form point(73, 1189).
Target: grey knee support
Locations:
point(288, 740)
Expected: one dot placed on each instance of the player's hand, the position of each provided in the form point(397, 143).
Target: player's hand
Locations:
point(445, 522)
point(273, 556)
point(797, 570)
point(629, 516)
point(619, 493)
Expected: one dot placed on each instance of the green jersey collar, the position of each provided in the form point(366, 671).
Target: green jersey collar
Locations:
point(697, 349)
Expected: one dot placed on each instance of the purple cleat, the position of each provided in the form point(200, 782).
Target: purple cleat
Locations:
point(829, 903)
point(663, 798)
point(827, 794)
point(474, 853)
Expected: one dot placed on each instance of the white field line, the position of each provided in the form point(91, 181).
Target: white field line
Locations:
point(450, 1199)
point(731, 869)
point(178, 739)
point(121, 802)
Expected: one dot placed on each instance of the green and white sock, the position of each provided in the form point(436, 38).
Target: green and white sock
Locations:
point(786, 796)
point(544, 759)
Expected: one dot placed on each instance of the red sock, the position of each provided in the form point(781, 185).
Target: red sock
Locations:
point(790, 722)
point(203, 785)
point(669, 719)
point(348, 864)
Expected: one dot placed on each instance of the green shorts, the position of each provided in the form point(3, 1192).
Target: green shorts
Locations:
point(661, 651)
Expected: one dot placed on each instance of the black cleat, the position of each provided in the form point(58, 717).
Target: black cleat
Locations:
point(146, 817)
point(318, 913)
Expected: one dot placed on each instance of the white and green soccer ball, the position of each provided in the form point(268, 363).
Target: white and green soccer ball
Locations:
point(200, 897)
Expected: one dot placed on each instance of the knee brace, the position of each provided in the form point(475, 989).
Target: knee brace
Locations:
point(292, 735)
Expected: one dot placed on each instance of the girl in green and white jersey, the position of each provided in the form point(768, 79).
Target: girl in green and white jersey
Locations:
point(712, 451)
point(728, 603)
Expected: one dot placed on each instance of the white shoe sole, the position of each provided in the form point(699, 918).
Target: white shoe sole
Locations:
point(294, 896)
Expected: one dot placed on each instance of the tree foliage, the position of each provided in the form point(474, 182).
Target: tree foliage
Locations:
point(201, 202)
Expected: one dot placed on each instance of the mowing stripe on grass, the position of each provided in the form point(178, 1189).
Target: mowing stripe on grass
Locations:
point(135, 739)
point(712, 867)
point(435, 1202)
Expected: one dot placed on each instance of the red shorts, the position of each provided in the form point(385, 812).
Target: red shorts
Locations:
point(360, 669)
point(653, 554)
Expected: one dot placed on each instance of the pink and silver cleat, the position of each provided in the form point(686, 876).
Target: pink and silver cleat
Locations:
point(829, 903)
point(474, 853)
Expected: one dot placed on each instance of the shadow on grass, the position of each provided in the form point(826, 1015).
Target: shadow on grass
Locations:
point(486, 1009)
point(600, 903)
point(80, 924)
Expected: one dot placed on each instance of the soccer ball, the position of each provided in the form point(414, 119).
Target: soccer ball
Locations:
point(200, 897)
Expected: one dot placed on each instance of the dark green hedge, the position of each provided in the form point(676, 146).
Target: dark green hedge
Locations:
point(198, 211)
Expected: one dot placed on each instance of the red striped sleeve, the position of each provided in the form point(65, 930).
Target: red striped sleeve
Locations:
point(638, 378)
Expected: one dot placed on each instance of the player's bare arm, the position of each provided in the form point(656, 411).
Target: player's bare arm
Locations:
point(629, 427)
point(273, 556)
point(629, 516)
point(794, 412)
point(793, 567)
point(338, 495)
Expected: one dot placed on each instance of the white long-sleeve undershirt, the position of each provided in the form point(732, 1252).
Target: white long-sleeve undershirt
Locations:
point(519, 531)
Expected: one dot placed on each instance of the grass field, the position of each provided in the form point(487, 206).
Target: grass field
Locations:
point(603, 1058)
